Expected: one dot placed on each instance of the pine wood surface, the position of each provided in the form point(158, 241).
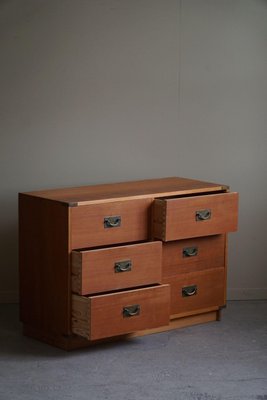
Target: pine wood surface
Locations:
point(44, 269)
point(147, 188)
point(195, 312)
point(210, 254)
point(93, 271)
point(53, 223)
point(87, 223)
point(174, 218)
point(72, 342)
point(210, 290)
point(101, 316)
point(225, 267)
point(179, 323)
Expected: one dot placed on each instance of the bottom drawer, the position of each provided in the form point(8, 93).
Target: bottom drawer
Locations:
point(113, 314)
point(197, 290)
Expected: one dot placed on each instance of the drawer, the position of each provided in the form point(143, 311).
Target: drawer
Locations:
point(194, 216)
point(110, 222)
point(190, 255)
point(114, 314)
point(114, 268)
point(197, 290)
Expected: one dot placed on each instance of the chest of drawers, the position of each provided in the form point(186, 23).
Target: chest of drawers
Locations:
point(120, 260)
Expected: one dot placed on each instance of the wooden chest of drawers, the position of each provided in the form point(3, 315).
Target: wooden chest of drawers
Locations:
point(125, 259)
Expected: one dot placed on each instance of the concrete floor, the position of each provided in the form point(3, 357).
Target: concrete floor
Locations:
point(217, 361)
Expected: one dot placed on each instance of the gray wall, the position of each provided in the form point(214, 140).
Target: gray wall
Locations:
point(109, 90)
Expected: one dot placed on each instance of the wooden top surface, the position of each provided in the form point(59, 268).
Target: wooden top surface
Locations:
point(83, 195)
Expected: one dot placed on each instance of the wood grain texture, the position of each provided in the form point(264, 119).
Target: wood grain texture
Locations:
point(126, 190)
point(54, 223)
point(179, 222)
point(87, 223)
point(210, 290)
point(76, 342)
point(210, 254)
point(44, 265)
point(225, 268)
point(194, 312)
point(159, 217)
point(65, 342)
point(93, 271)
point(105, 317)
point(77, 272)
point(179, 323)
point(81, 316)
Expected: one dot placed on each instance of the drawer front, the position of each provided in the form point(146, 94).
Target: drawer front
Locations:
point(190, 255)
point(185, 217)
point(108, 223)
point(113, 268)
point(114, 314)
point(198, 290)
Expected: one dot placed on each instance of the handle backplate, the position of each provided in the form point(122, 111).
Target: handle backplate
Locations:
point(131, 311)
point(188, 291)
point(190, 251)
point(203, 215)
point(112, 221)
point(123, 266)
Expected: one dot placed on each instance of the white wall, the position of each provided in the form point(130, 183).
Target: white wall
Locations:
point(109, 90)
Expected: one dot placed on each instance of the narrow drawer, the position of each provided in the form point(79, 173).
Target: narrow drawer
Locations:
point(109, 223)
point(194, 216)
point(113, 268)
point(191, 255)
point(114, 314)
point(197, 290)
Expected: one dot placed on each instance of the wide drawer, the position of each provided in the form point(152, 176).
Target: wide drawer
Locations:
point(102, 316)
point(197, 290)
point(191, 255)
point(185, 217)
point(118, 267)
point(107, 223)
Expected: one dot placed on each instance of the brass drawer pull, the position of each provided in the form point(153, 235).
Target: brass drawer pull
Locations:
point(203, 215)
point(189, 290)
point(112, 222)
point(123, 266)
point(131, 311)
point(190, 251)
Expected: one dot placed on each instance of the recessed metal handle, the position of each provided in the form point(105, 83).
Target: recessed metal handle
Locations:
point(190, 251)
point(123, 266)
point(203, 215)
point(189, 290)
point(131, 311)
point(112, 222)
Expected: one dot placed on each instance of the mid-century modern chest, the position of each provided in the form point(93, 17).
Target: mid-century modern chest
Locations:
point(123, 260)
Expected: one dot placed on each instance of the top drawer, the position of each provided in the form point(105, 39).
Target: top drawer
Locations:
point(185, 217)
point(107, 223)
